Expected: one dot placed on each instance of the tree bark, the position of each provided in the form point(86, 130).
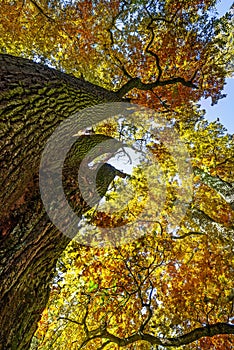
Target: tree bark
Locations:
point(34, 99)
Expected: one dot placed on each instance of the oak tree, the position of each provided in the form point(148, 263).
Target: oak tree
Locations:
point(165, 55)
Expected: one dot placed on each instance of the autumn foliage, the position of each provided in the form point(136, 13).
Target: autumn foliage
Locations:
point(168, 286)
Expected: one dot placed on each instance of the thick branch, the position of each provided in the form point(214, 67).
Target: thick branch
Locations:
point(223, 188)
point(208, 331)
point(137, 83)
point(209, 226)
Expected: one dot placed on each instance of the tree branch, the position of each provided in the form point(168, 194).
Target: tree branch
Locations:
point(209, 226)
point(207, 331)
point(187, 234)
point(41, 11)
point(137, 83)
point(70, 320)
point(223, 188)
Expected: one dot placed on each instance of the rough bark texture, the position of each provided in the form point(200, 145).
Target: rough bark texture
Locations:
point(33, 101)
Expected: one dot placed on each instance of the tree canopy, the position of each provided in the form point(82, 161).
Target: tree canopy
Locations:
point(172, 285)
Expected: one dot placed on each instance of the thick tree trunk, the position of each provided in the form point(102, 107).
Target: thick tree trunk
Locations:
point(33, 101)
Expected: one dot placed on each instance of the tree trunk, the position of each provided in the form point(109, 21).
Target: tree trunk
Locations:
point(33, 101)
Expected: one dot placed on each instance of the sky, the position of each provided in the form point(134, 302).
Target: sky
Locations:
point(224, 110)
